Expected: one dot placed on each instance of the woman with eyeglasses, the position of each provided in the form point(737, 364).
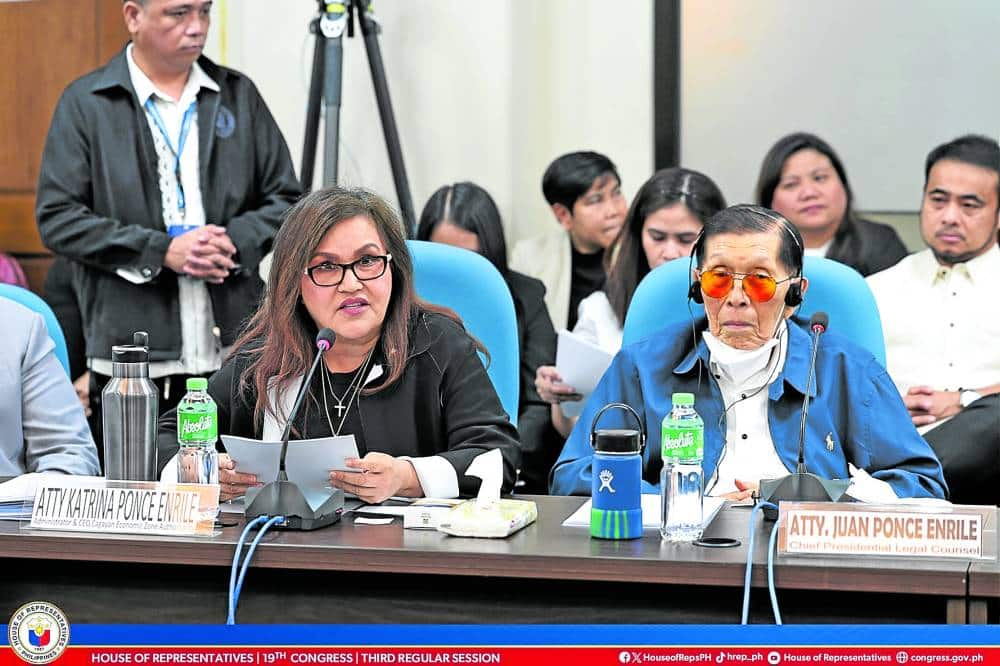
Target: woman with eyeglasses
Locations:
point(803, 179)
point(663, 222)
point(403, 377)
point(747, 368)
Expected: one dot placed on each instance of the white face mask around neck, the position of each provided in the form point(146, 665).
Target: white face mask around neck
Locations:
point(739, 365)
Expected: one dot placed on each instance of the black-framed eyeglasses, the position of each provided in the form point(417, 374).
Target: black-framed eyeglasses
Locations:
point(330, 274)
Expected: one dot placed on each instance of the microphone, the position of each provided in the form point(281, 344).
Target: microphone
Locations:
point(284, 498)
point(324, 341)
point(803, 486)
point(817, 324)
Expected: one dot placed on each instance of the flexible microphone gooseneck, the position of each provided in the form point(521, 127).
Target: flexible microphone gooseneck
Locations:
point(284, 498)
point(817, 325)
point(324, 341)
point(802, 486)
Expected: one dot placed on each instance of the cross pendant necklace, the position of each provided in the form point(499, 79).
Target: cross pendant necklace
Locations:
point(344, 402)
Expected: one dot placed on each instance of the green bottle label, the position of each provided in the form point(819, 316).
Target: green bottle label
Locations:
point(197, 423)
point(686, 442)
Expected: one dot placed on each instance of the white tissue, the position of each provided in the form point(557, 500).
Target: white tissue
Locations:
point(488, 467)
point(867, 488)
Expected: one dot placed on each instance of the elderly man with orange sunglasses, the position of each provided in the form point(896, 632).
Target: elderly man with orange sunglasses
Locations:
point(747, 363)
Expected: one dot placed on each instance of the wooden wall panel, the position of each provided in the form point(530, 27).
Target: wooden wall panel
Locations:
point(45, 45)
point(111, 32)
point(35, 269)
point(18, 231)
point(50, 43)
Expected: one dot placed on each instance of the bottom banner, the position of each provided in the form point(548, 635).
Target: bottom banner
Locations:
point(522, 656)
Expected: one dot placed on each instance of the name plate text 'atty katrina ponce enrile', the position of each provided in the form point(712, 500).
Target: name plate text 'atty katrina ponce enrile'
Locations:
point(828, 528)
point(137, 507)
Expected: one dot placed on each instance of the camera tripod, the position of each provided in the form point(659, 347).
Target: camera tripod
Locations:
point(325, 83)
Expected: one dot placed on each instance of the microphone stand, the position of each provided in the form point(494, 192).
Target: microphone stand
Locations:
point(800, 467)
point(803, 486)
point(284, 497)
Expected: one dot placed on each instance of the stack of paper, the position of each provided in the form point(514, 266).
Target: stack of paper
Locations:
point(581, 364)
point(17, 496)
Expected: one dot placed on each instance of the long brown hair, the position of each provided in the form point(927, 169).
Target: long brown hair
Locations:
point(280, 337)
point(628, 263)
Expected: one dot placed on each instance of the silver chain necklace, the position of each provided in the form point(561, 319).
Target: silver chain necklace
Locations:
point(342, 409)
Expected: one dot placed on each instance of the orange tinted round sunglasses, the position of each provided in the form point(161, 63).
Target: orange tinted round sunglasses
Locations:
point(759, 287)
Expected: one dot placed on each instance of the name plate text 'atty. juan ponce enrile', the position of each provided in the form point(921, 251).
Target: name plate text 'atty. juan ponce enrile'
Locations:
point(137, 507)
point(948, 531)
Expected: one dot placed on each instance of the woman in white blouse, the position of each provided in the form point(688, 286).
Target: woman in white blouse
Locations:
point(662, 224)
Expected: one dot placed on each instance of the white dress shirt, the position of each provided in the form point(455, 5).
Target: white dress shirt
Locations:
point(743, 378)
point(941, 323)
point(596, 323)
point(201, 352)
point(749, 455)
point(818, 251)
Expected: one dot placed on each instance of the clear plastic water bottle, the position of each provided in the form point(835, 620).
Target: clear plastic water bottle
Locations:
point(197, 431)
point(682, 479)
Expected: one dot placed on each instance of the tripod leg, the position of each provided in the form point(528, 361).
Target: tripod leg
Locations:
point(312, 110)
point(331, 99)
point(369, 28)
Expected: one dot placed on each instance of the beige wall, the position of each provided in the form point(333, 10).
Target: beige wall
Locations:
point(907, 225)
point(483, 91)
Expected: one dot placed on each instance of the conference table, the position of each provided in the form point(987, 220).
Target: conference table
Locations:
point(545, 573)
point(984, 590)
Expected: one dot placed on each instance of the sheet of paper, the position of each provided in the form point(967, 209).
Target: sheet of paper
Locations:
point(581, 365)
point(253, 456)
point(650, 512)
point(307, 462)
point(23, 487)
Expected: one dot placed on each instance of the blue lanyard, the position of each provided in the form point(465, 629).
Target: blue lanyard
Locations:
point(185, 126)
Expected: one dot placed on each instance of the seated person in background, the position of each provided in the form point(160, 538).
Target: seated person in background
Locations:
point(941, 333)
point(804, 180)
point(403, 376)
point(584, 192)
point(464, 215)
point(747, 369)
point(11, 271)
point(42, 426)
point(662, 224)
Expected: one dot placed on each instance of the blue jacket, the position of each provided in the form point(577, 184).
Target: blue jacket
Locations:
point(852, 398)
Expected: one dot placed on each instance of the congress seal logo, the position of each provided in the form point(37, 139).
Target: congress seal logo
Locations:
point(38, 632)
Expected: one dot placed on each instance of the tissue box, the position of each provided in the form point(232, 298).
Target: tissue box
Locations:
point(494, 519)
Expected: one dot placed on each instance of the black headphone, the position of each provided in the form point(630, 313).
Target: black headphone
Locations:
point(793, 297)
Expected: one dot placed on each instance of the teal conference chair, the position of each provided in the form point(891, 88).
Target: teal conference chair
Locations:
point(840, 291)
point(471, 286)
point(34, 302)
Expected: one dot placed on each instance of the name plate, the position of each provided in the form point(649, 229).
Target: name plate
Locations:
point(126, 507)
point(945, 531)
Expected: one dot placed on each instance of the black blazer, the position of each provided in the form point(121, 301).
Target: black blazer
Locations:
point(537, 338)
point(444, 404)
point(867, 247)
point(98, 203)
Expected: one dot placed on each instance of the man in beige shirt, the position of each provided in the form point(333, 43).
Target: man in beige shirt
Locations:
point(940, 330)
point(584, 192)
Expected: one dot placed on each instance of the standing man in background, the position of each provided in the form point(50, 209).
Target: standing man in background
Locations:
point(164, 178)
point(941, 332)
point(584, 191)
